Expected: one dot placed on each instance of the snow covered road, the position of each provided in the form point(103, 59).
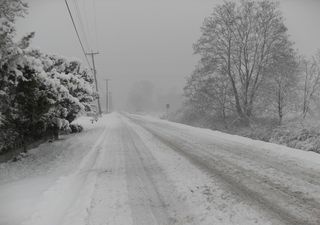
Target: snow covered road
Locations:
point(280, 184)
point(137, 170)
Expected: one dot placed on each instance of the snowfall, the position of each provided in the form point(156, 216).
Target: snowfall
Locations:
point(130, 169)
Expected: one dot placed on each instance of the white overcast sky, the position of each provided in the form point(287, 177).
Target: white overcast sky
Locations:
point(148, 39)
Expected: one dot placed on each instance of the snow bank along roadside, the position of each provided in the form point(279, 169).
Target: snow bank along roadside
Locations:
point(23, 183)
point(270, 148)
point(58, 157)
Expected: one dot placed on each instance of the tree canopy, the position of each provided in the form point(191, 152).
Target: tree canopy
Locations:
point(239, 44)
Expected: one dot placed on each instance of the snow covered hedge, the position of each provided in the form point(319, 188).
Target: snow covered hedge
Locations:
point(39, 93)
point(303, 135)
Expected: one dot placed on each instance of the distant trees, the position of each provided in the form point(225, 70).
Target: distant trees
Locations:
point(39, 93)
point(243, 47)
point(207, 91)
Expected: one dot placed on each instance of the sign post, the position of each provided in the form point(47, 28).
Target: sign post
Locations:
point(167, 108)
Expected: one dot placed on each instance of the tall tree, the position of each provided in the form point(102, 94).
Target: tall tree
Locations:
point(240, 40)
point(10, 52)
point(208, 92)
point(283, 83)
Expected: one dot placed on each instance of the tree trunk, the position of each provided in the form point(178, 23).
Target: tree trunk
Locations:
point(224, 117)
point(280, 108)
point(56, 133)
point(234, 88)
point(280, 113)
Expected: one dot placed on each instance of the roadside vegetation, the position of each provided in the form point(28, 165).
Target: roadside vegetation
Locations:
point(40, 94)
point(250, 80)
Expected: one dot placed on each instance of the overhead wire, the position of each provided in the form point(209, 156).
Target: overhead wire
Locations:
point(89, 14)
point(95, 23)
point(84, 6)
point(77, 33)
point(78, 14)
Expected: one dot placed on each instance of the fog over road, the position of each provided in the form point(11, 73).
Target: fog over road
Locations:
point(142, 171)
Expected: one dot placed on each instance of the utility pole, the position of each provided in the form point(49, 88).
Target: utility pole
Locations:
point(107, 95)
point(92, 54)
point(110, 102)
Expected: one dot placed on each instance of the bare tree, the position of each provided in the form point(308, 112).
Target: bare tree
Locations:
point(241, 40)
point(283, 82)
point(209, 91)
point(311, 82)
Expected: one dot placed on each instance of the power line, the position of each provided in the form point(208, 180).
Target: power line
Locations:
point(76, 30)
point(84, 6)
point(83, 49)
point(78, 13)
point(95, 22)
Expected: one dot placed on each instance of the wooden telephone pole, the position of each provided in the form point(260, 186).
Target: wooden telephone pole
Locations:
point(92, 54)
point(107, 96)
point(110, 101)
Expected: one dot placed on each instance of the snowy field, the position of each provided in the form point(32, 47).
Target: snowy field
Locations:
point(139, 170)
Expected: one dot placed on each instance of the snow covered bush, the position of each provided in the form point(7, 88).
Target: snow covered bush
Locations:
point(77, 80)
point(76, 128)
point(301, 135)
point(40, 94)
point(40, 99)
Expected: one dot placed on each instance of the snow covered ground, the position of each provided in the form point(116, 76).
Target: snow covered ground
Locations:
point(131, 169)
point(24, 184)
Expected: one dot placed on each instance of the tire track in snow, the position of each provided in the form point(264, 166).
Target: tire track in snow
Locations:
point(67, 201)
point(151, 195)
point(109, 205)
